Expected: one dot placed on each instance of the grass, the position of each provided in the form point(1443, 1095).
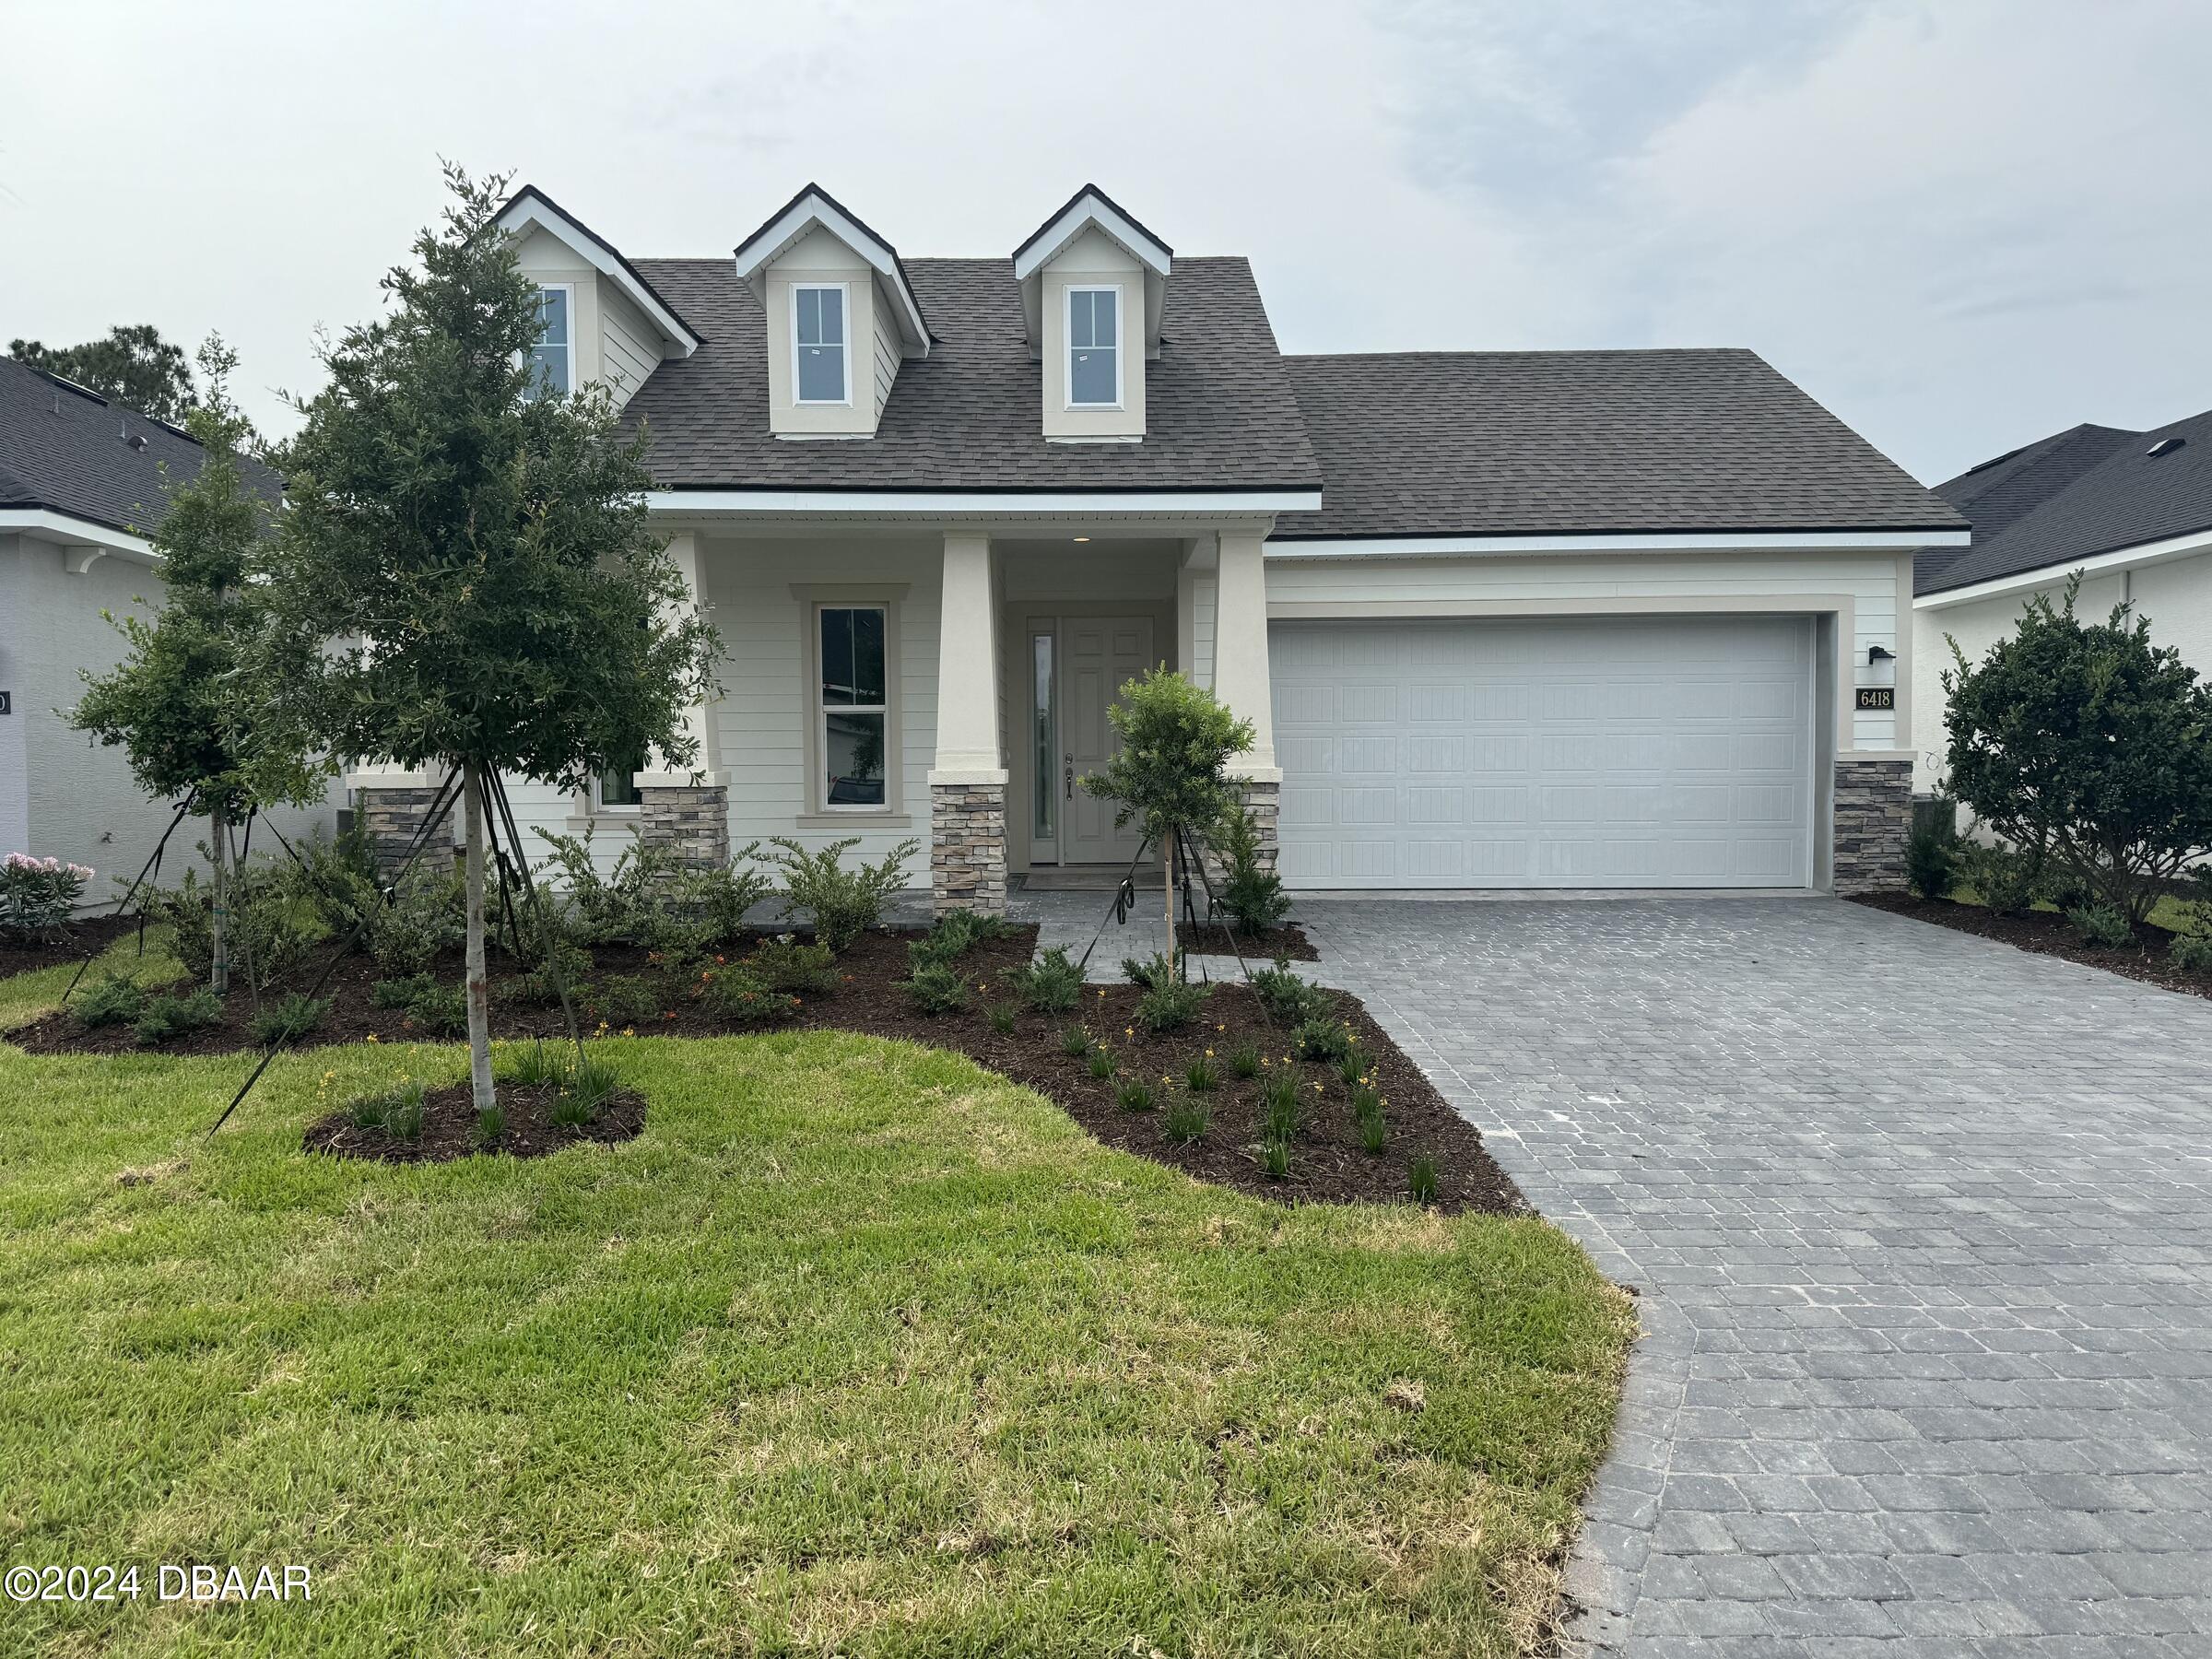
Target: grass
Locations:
point(25, 996)
point(2165, 910)
point(857, 1349)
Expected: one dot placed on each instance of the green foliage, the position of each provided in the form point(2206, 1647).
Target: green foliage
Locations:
point(290, 1016)
point(167, 1017)
point(937, 988)
point(130, 364)
point(404, 1112)
point(531, 1065)
point(491, 1124)
point(1176, 742)
point(427, 917)
point(1367, 1112)
point(400, 991)
point(1001, 1018)
point(1186, 1119)
point(1420, 1177)
point(1171, 1006)
point(116, 999)
point(1275, 1158)
point(1102, 1064)
point(624, 999)
point(2087, 746)
point(38, 896)
point(649, 898)
point(2004, 878)
point(1244, 1060)
point(1149, 974)
point(1202, 1076)
point(2191, 952)
point(1251, 890)
point(742, 997)
point(1328, 1039)
point(438, 1011)
point(1134, 1095)
point(2101, 926)
point(788, 964)
point(592, 1083)
point(1049, 985)
point(843, 903)
point(1279, 1107)
point(368, 1111)
point(1075, 1041)
point(1288, 998)
point(1932, 857)
point(273, 922)
point(336, 877)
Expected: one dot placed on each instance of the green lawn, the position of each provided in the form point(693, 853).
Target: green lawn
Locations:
point(859, 1349)
point(25, 996)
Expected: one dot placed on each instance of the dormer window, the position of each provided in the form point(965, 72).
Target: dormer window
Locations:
point(821, 366)
point(553, 359)
point(1094, 356)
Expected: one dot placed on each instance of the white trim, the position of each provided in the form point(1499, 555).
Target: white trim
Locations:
point(2120, 559)
point(1067, 339)
point(568, 291)
point(801, 216)
point(817, 747)
point(49, 526)
point(1730, 541)
point(845, 346)
point(932, 503)
point(1089, 209)
point(534, 210)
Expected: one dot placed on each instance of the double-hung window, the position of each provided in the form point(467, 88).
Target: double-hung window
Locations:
point(819, 359)
point(553, 359)
point(1094, 352)
point(851, 707)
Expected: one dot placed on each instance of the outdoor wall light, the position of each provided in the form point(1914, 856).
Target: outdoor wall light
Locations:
point(1878, 653)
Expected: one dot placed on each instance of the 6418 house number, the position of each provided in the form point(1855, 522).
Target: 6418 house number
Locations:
point(1878, 697)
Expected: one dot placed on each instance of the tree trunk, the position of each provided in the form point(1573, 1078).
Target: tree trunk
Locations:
point(246, 935)
point(479, 991)
point(1168, 848)
point(218, 914)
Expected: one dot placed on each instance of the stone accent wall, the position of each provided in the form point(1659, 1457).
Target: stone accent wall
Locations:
point(390, 818)
point(968, 847)
point(1873, 817)
point(692, 821)
point(1263, 802)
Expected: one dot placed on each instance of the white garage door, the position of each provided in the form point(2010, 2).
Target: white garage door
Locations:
point(1672, 751)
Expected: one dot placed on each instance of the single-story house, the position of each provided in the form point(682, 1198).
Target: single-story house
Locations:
point(82, 479)
point(2132, 512)
point(1499, 620)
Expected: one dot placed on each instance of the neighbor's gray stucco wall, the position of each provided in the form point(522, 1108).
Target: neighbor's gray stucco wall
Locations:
point(67, 796)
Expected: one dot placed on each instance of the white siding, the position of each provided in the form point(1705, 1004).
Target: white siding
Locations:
point(1205, 593)
point(1525, 586)
point(886, 354)
point(630, 346)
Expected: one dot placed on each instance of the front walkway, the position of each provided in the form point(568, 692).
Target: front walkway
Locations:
point(1922, 1226)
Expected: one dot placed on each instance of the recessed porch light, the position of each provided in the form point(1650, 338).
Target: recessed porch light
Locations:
point(1082, 539)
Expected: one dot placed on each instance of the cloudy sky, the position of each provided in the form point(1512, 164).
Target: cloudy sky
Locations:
point(1959, 223)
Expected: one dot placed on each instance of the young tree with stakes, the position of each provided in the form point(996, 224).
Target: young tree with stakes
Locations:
point(191, 721)
point(465, 576)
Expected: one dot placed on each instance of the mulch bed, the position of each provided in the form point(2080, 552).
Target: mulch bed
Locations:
point(81, 939)
point(1328, 1163)
point(1286, 943)
point(449, 1127)
point(2049, 934)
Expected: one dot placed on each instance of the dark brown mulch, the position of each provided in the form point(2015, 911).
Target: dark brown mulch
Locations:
point(1287, 942)
point(2049, 934)
point(81, 939)
point(449, 1127)
point(1327, 1163)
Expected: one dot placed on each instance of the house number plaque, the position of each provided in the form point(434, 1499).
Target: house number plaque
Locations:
point(1878, 697)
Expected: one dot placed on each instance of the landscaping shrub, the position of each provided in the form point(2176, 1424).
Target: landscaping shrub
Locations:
point(491, 1123)
point(843, 903)
point(165, 1018)
point(291, 1015)
point(400, 991)
point(1244, 1060)
point(739, 995)
point(1278, 1106)
point(2191, 952)
point(38, 896)
point(1275, 1158)
point(1367, 1112)
point(2004, 878)
point(624, 999)
point(1351, 1066)
point(2101, 926)
point(1329, 1039)
point(1075, 1041)
point(1201, 1074)
point(1288, 998)
point(1102, 1063)
point(791, 964)
point(1931, 857)
point(402, 1111)
point(531, 1065)
point(1171, 1006)
point(1187, 1119)
point(1251, 891)
point(1148, 973)
point(1001, 1017)
point(117, 999)
point(1420, 1179)
point(273, 923)
point(1049, 985)
point(1134, 1095)
point(591, 1084)
point(440, 1011)
point(426, 917)
point(2088, 743)
point(337, 879)
point(368, 1111)
point(937, 988)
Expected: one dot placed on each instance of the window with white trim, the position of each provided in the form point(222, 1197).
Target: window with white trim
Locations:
point(853, 719)
point(821, 366)
point(1094, 352)
point(617, 786)
point(553, 359)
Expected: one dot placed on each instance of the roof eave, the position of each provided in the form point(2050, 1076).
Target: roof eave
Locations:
point(815, 206)
point(530, 207)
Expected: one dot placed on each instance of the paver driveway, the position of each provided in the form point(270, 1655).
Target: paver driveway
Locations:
point(1922, 1225)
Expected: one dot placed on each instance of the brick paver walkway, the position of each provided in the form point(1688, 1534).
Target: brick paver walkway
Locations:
point(1921, 1226)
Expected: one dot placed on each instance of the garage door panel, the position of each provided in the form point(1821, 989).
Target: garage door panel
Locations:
point(1562, 752)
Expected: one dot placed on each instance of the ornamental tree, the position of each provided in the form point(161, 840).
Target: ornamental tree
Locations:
point(2087, 747)
point(192, 722)
point(466, 577)
point(1172, 771)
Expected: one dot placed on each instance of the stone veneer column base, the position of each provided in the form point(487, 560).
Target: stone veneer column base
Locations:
point(390, 819)
point(689, 821)
point(968, 847)
point(1872, 820)
point(1263, 804)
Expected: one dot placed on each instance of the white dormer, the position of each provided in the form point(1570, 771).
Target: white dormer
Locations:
point(604, 323)
point(1092, 285)
point(841, 317)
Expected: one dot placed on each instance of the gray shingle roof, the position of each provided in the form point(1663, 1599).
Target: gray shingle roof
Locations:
point(2077, 493)
point(1536, 443)
point(70, 452)
point(1219, 411)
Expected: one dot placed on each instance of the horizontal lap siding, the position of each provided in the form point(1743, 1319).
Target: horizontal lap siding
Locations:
point(630, 346)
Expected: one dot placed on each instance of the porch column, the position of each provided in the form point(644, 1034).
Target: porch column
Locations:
point(1194, 610)
point(1241, 673)
point(688, 812)
point(967, 781)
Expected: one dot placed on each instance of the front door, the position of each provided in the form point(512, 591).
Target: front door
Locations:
point(1097, 657)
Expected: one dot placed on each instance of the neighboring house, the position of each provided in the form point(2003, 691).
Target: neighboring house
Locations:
point(2132, 512)
point(1545, 620)
point(81, 481)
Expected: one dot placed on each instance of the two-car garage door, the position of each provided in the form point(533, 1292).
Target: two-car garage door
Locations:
point(1562, 752)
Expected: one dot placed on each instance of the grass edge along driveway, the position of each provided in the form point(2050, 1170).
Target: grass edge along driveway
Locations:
point(857, 1349)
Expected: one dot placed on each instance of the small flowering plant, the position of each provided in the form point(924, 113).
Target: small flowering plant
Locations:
point(38, 896)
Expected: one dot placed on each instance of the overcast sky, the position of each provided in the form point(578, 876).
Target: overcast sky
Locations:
point(1959, 223)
